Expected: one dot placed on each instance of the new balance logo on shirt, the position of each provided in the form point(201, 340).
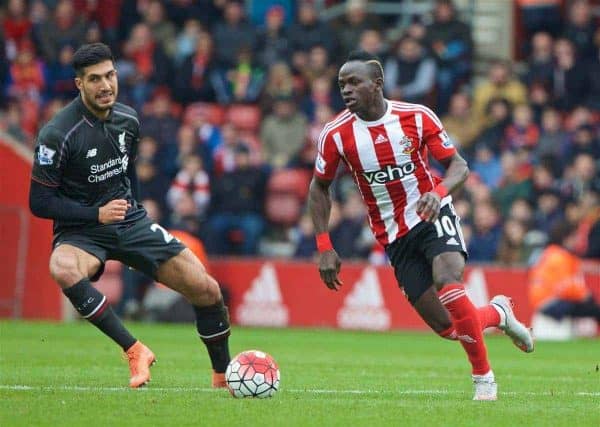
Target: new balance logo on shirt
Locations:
point(91, 153)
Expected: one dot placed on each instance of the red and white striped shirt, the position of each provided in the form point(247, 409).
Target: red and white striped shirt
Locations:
point(388, 159)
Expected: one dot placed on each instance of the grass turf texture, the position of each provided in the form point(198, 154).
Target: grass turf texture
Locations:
point(69, 374)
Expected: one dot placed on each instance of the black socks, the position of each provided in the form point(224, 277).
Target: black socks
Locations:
point(212, 323)
point(94, 307)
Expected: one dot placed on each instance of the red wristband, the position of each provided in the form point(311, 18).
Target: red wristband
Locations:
point(324, 242)
point(440, 190)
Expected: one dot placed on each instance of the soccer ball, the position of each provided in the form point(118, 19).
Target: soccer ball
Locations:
point(252, 373)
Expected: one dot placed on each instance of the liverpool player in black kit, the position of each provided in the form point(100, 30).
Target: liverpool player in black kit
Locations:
point(84, 179)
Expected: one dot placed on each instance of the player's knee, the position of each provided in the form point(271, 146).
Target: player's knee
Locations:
point(206, 290)
point(65, 270)
point(448, 269)
point(447, 277)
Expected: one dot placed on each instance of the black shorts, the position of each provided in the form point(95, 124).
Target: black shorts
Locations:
point(412, 254)
point(141, 244)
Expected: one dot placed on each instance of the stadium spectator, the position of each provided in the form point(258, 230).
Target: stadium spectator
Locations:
point(515, 183)
point(317, 65)
point(163, 31)
point(27, 74)
point(522, 132)
point(158, 119)
point(495, 122)
point(557, 285)
point(236, 220)
point(410, 72)
point(459, 122)
point(65, 27)
point(60, 75)
point(196, 77)
point(522, 211)
point(224, 154)
point(243, 81)
point(450, 42)
point(540, 65)
point(280, 82)
point(11, 123)
point(283, 133)
point(570, 76)
point(187, 40)
point(511, 247)
point(549, 210)
point(584, 140)
point(231, 32)
point(308, 31)
point(372, 41)
point(540, 15)
point(594, 68)
point(486, 233)
point(355, 21)
point(139, 70)
point(351, 234)
point(191, 179)
point(321, 94)
point(16, 26)
point(303, 237)
point(273, 42)
point(487, 166)
point(500, 84)
point(582, 175)
point(207, 12)
point(185, 215)
point(553, 139)
point(580, 28)
point(153, 184)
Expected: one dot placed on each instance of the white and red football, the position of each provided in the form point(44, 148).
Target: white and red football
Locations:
point(252, 373)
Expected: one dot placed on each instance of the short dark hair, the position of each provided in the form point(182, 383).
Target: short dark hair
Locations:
point(373, 61)
point(90, 54)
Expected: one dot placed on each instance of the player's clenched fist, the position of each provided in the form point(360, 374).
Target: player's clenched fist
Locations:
point(113, 211)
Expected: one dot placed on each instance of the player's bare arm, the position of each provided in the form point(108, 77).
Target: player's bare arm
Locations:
point(457, 171)
point(319, 206)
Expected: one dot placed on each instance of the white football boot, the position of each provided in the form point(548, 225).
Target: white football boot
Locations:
point(485, 387)
point(518, 332)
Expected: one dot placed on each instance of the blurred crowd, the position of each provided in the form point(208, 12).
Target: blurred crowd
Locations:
point(231, 100)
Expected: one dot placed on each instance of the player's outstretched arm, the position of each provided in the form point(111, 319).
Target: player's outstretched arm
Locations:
point(457, 171)
point(319, 207)
point(45, 202)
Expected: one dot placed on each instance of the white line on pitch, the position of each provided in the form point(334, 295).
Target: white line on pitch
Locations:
point(20, 387)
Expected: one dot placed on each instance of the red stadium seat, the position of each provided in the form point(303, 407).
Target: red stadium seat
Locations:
point(244, 117)
point(293, 181)
point(286, 193)
point(213, 113)
point(283, 209)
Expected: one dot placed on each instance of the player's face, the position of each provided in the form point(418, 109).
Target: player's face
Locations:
point(99, 87)
point(359, 90)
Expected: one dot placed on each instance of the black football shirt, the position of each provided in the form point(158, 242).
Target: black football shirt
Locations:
point(86, 158)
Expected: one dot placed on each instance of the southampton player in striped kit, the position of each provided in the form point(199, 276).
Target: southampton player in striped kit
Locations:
point(385, 144)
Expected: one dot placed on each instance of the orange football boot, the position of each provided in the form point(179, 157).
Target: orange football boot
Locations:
point(218, 380)
point(140, 359)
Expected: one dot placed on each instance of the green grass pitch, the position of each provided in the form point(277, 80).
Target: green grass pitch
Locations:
point(69, 374)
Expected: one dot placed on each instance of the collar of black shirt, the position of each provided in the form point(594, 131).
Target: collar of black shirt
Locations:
point(90, 117)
